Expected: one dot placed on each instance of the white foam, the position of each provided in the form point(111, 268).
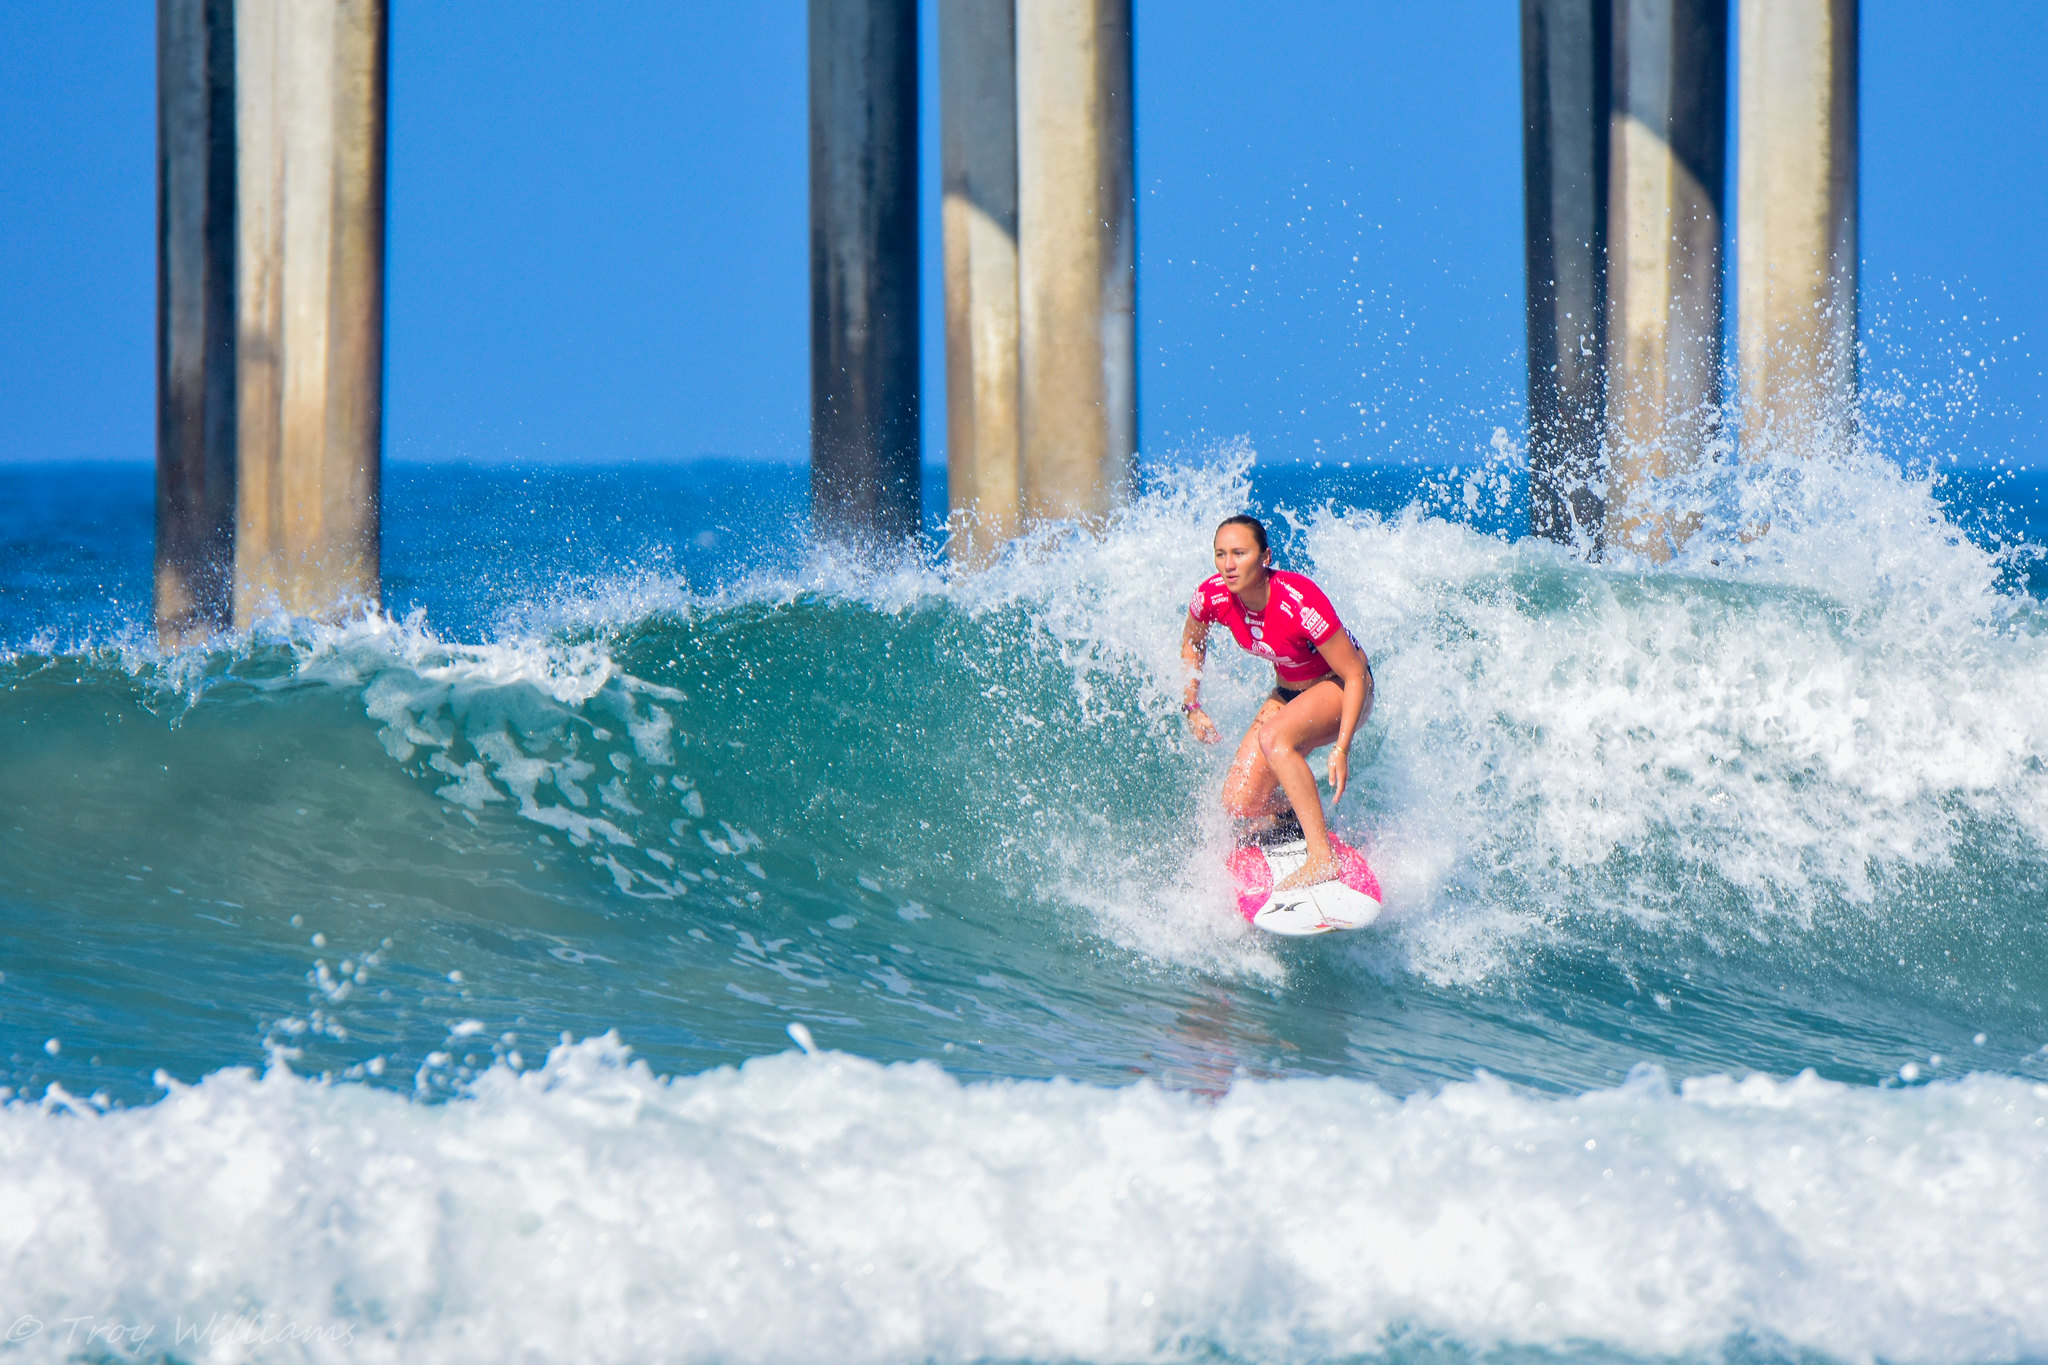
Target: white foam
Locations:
point(1801, 724)
point(592, 1212)
point(1817, 696)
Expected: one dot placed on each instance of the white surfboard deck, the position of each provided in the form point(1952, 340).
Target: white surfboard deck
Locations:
point(1324, 908)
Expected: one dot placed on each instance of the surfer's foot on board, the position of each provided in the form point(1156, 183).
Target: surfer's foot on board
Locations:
point(1312, 872)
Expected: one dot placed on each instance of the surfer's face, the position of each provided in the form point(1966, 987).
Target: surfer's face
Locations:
point(1239, 558)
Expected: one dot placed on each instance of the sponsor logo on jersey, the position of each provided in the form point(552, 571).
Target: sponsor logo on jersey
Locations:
point(1313, 619)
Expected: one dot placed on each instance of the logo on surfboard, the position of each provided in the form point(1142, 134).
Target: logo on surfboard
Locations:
point(1350, 902)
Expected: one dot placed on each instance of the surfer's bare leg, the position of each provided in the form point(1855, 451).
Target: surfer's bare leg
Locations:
point(1251, 795)
point(1305, 724)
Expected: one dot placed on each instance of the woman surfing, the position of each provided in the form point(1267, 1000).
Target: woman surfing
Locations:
point(1322, 691)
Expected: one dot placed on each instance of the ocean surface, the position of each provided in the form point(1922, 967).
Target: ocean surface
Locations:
point(656, 937)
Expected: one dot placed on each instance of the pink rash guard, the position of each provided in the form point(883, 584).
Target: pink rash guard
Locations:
point(1297, 618)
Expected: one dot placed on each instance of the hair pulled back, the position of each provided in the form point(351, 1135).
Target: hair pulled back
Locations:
point(1257, 527)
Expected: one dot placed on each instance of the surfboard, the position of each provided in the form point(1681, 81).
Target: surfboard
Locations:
point(1351, 902)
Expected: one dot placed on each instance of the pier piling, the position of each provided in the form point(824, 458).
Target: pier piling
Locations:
point(865, 475)
point(1796, 274)
point(1076, 256)
point(1667, 162)
point(195, 311)
point(1565, 95)
point(310, 104)
point(978, 135)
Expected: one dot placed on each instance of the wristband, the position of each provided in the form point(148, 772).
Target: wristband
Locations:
point(1188, 708)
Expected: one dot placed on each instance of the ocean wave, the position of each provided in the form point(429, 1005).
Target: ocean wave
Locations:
point(588, 1210)
point(1782, 726)
point(1756, 764)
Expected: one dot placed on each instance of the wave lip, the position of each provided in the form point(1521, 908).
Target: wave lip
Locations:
point(591, 1211)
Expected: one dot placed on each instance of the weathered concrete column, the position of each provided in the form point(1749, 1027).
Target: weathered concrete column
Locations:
point(310, 100)
point(1668, 156)
point(978, 134)
point(1565, 96)
point(1076, 255)
point(1795, 231)
point(195, 319)
point(864, 287)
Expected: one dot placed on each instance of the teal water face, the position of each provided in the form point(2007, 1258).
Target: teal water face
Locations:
point(1775, 809)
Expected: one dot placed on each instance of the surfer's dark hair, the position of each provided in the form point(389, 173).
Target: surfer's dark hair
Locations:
point(1258, 528)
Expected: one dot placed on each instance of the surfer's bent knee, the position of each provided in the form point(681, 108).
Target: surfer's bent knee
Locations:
point(1271, 743)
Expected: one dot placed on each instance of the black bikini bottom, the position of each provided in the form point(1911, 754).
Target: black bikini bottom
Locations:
point(1288, 694)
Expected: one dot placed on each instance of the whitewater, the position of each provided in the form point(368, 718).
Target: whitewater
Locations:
point(658, 937)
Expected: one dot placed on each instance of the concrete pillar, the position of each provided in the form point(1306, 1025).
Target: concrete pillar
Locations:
point(195, 317)
point(864, 286)
point(1667, 159)
point(1076, 255)
point(978, 133)
point(310, 87)
point(1795, 232)
point(1565, 95)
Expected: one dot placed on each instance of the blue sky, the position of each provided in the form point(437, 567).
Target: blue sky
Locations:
point(597, 231)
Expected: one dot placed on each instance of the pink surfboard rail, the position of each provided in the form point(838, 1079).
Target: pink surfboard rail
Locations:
point(1253, 876)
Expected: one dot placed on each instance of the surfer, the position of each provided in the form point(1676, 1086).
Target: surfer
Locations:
point(1322, 690)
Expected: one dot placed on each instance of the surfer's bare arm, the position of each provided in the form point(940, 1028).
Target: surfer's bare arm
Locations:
point(1348, 663)
point(1194, 648)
